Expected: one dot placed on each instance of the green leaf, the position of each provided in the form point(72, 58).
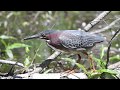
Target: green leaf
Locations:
point(100, 63)
point(17, 45)
point(107, 70)
point(94, 76)
point(9, 53)
point(82, 67)
point(39, 55)
point(6, 37)
point(27, 49)
point(98, 73)
point(115, 58)
point(4, 42)
point(27, 62)
point(102, 52)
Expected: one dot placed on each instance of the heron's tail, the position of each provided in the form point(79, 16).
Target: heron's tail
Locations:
point(100, 38)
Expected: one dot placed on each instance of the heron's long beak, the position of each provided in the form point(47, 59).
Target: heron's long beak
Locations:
point(32, 37)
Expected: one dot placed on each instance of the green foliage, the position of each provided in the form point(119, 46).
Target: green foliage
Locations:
point(101, 67)
point(102, 52)
point(115, 58)
point(9, 47)
point(6, 37)
point(17, 45)
point(101, 63)
point(27, 61)
point(9, 53)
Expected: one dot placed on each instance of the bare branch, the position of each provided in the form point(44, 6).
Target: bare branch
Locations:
point(96, 20)
point(114, 66)
point(11, 62)
point(107, 27)
point(54, 55)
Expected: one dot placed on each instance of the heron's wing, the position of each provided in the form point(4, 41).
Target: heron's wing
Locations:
point(76, 40)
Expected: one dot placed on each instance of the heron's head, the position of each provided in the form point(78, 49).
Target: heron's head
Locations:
point(42, 35)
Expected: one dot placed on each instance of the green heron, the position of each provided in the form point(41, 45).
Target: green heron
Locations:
point(72, 41)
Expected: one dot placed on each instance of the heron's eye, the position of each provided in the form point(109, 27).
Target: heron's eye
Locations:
point(43, 35)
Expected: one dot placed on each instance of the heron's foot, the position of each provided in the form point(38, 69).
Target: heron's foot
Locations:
point(67, 73)
point(93, 70)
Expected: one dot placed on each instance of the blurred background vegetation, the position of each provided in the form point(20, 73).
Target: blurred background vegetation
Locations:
point(16, 25)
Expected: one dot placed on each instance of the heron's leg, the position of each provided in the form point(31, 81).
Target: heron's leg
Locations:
point(78, 61)
point(79, 58)
point(90, 60)
point(68, 72)
point(71, 71)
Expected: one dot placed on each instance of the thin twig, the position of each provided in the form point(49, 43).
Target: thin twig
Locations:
point(33, 60)
point(96, 20)
point(11, 62)
point(11, 71)
point(108, 50)
point(107, 27)
point(110, 46)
